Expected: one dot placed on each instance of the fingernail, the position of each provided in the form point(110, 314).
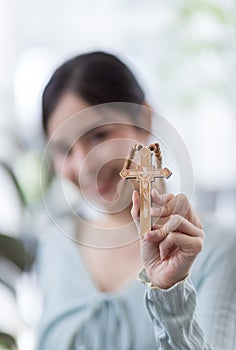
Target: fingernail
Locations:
point(151, 234)
point(133, 195)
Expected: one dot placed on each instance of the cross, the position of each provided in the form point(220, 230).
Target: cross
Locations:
point(145, 173)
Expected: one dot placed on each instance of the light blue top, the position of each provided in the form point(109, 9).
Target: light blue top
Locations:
point(78, 316)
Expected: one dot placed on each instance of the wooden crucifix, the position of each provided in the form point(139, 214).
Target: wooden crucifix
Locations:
point(145, 173)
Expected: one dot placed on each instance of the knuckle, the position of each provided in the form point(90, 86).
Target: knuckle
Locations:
point(177, 217)
point(183, 203)
point(182, 197)
point(199, 244)
point(164, 198)
point(203, 235)
point(171, 236)
point(162, 232)
point(167, 210)
point(176, 220)
point(201, 228)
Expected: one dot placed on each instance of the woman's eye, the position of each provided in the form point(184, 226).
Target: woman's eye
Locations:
point(101, 135)
point(97, 135)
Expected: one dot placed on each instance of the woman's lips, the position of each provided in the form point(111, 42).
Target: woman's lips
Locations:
point(105, 187)
point(102, 183)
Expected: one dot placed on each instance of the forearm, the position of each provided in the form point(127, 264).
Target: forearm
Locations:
point(172, 312)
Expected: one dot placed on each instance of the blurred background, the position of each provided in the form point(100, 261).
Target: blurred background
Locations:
point(184, 54)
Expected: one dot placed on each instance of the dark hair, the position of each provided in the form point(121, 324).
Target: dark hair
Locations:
point(97, 77)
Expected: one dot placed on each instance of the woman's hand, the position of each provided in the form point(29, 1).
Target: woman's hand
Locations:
point(169, 250)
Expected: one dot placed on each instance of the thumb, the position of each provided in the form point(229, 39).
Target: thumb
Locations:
point(135, 210)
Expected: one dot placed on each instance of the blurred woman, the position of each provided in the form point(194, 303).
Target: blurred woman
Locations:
point(93, 111)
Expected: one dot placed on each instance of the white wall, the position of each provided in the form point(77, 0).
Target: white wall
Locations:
point(183, 53)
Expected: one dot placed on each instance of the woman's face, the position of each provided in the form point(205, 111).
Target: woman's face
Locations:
point(89, 148)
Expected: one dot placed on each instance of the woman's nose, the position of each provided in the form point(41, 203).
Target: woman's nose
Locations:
point(78, 155)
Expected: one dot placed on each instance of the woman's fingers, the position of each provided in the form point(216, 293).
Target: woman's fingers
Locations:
point(178, 204)
point(161, 199)
point(177, 207)
point(189, 246)
point(175, 223)
point(192, 217)
point(181, 205)
point(170, 204)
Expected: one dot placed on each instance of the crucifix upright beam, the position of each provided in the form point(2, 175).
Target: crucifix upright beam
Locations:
point(145, 173)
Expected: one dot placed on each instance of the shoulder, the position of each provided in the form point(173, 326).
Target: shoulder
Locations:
point(219, 238)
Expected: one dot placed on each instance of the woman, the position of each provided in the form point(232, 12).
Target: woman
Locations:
point(92, 298)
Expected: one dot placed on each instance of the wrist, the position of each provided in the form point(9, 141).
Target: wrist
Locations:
point(155, 283)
